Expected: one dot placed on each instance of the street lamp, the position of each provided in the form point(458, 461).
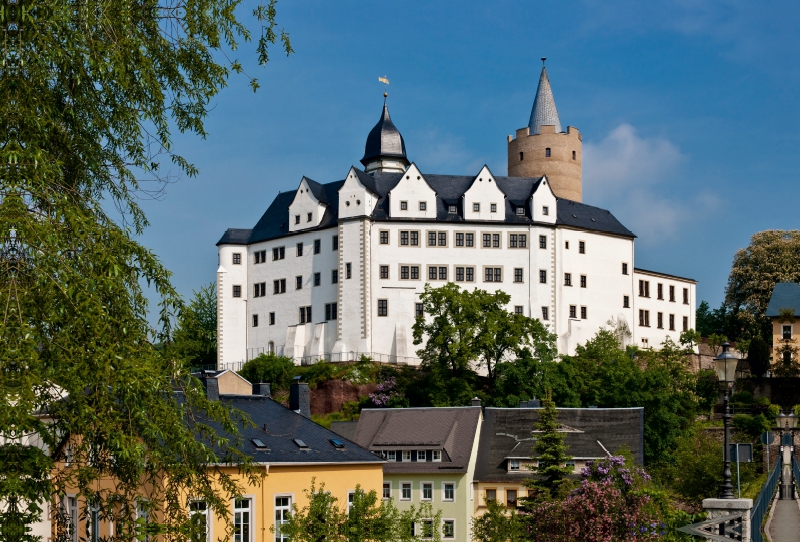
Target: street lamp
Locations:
point(726, 364)
point(787, 422)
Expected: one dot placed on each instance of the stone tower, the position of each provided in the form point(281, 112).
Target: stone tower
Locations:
point(542, 148)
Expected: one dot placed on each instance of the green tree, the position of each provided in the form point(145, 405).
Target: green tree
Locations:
point(552, 472)
point(716, 321)
point(498, 524)
point(773, 256)
point(195, 337)
point(89, 96)
point(278, 371)
point(758, 356)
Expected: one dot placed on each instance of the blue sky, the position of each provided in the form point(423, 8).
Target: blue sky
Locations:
point(689, 114)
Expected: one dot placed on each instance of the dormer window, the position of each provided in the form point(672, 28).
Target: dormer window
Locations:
point(297, 219)
point(520, 211)
point(308, 219)
point(452, 209)
point(437, 455)
point(420, 455)
point(513, 464)
point(476, 207)
point(423, 206)
point(545, 210)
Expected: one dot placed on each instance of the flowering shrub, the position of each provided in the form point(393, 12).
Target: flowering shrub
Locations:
point(614, 471)
point(386, 395)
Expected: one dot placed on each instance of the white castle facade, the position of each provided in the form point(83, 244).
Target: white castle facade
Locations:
point(335, 270)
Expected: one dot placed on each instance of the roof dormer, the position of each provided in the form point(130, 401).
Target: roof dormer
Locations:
point(412, 197)
point(543, 203)
point(357, 196)
point(484, 200)
point(308, 206)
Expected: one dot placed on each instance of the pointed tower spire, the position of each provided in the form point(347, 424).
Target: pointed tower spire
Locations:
point(544, 110)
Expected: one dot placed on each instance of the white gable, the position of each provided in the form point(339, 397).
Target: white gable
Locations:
point(354, 198)
point(544, 201)
point(483, 196)
point(417, 195)
point(306, 210)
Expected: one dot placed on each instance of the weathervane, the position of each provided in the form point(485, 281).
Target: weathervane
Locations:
point(385, 81)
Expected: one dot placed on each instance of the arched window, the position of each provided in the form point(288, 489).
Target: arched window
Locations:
point(521, 155)
point(547, 152)
point(573, 155)
point(271, 347)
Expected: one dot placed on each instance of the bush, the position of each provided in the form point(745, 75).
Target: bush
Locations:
point(697, 469)
point(278, 371)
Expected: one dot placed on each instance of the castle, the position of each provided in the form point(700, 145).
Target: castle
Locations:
point(335, 270)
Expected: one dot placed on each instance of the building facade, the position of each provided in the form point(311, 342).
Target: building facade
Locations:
point(335, 270)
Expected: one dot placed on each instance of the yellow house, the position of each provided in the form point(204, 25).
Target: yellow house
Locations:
point(292, 451)
point(785, 300)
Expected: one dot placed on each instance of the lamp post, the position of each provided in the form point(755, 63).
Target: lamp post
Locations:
point(787, 422)
point(725, 365)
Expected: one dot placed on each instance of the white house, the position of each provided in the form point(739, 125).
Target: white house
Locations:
point(335, 270)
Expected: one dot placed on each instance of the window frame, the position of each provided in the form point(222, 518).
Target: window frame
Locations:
point(236, 258)
point(383, 308)
point(250, 518)
point(422, 487)
point(383, 237)
point(519, 275)
point(284, 516)
point(494, 270)
point(403, 489)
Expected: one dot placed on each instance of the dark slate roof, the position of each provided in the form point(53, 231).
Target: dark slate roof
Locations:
point(785, 295)
point(451, 429)
point(660, 274)
point(317, 189)
point(274, 222)
point(507, 433)
point(346, 429)
point(544, 110)
point(276, 426)
point(384, 140)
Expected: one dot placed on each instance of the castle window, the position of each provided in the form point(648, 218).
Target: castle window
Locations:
point(297, 219)
point(271, 346)
point(237, 258)
point(517, 274)
point(660, 320)
point(348, 270)
point(493, 207)
point(583, 313)
point(330, 311)
point(305, 315)
point(624, 269)
point(686, 296)
point(686, 323)
point(279, 286)
point(542, 241)
point(384, 271)
point(626, 302)
point(335, 276)
point(452, 209)
point(547, 152)
point(520, 211)
point(672, 322)
point(385, 237)
point(404, 206)
point(573, 311)
point(567, 279)
point(542, 276)
point(335, 242)
point(278, 253)
point(298, 282)
point(255, 320)
point(237, 291)
point(583, 281)
point(518, 309)
point(660, 291)
point(545, 210)
point(299, 249)
point(582, 247)
point(419, 309)
point(573, 155)
point(521, 156)
point(545, 313)
point(476, 207)
point(423, 206)
point(317, 279)
point(317, 246)
point(272, 321)
point(383, 307)
point(308, 217)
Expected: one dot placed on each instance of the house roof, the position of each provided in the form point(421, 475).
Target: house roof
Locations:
point(276, 427)
point(544, 110)
point(274, 223)
point(450, 429)
point(507, 433)
point(785, 295)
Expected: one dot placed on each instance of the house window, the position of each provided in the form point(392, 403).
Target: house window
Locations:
point(491, 495)
point(305, 315)
point(425, 530)
point(387, 491)
point(512, 240)
point(542, 276)
point(660, 320)
point(583, 281)
point(459, 239)
point(452, 209)
point(418, 309)
point(384, 237)
point(196, 508)
point(427, 491)
point(391, 455)
point(513, 464)
point(495, 240)
point(644, 288)
point(414, 272)
point(476, 207)
point(626, 302)
point(672, 322)
point(298, 282)
point(493, 207)
point(331, 310)
point(436, 456)
point(442, 273)
point(487, 240)
point(279, 286)
point(644, 318)
point(241, 520)
point(414, 238)
point(383, 307)
point(403, 272)
point(297, 219)
point(423, 206)
point(624, 269)
point(459, 274)
point(520, 211)
point(255, 320)
point(581, 247)
point(686, 296)
point(317, 246)
point(545, 210)
point(317, 279)
point(686, 323)
point(335, 242)
point(272, 318)
point(299, 249)
point(259, 289)
point(348, 270)
point(672, 293)
point(523, 241)
point(261, 256)
point(493, 274)
point(449, 492)
point(573, 311)
point(518, 309)
point(442, 238)
point(283, 508)
point(583, 313)
point(384, 271)
point(403, 238)
point(404, 206)
point(237, 291)
point(278, 253)
point(334, 276)
point(511, 498)
point(405, 491)
point(547, 152)
point(567, 279)
point(432, 273)
point(545, 313)
point(517, 275)
point(237, 258)
point(542, 241)
point(786, 332)
point(660, 291)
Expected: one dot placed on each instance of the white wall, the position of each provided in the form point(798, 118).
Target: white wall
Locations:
point(653, 336)
point(232, 311)
point(304, 203)
point(412, 188)
point(484, 191)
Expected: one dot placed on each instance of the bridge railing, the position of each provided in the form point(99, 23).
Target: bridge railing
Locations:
point(762, 502)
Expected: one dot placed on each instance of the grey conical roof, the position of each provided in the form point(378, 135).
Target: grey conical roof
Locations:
point(384, 140)
point(544, 110)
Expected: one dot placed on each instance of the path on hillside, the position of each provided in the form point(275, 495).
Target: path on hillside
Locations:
point(785, 526)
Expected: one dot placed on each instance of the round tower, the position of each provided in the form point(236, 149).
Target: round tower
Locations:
point(542, 148)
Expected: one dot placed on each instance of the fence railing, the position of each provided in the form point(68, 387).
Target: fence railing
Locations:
point(762, 502)
point(795, 470)
point(338, 357)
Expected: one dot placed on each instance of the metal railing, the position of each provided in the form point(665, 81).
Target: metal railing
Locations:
point(338, 357)
point(762, 502)
point(796, 470)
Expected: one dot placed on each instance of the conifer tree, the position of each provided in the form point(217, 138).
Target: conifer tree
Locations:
point(552, 472)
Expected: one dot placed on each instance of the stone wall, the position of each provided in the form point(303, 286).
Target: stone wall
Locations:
point(329, 396)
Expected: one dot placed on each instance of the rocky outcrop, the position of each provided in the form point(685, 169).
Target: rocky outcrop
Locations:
point(329, 396)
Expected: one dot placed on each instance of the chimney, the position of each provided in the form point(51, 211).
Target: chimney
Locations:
point(534, 403)
point(476, 401)
point(261, 389)
point(299, 398)
point(212, 389)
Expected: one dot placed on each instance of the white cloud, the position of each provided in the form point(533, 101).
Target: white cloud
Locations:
point(638, 179)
